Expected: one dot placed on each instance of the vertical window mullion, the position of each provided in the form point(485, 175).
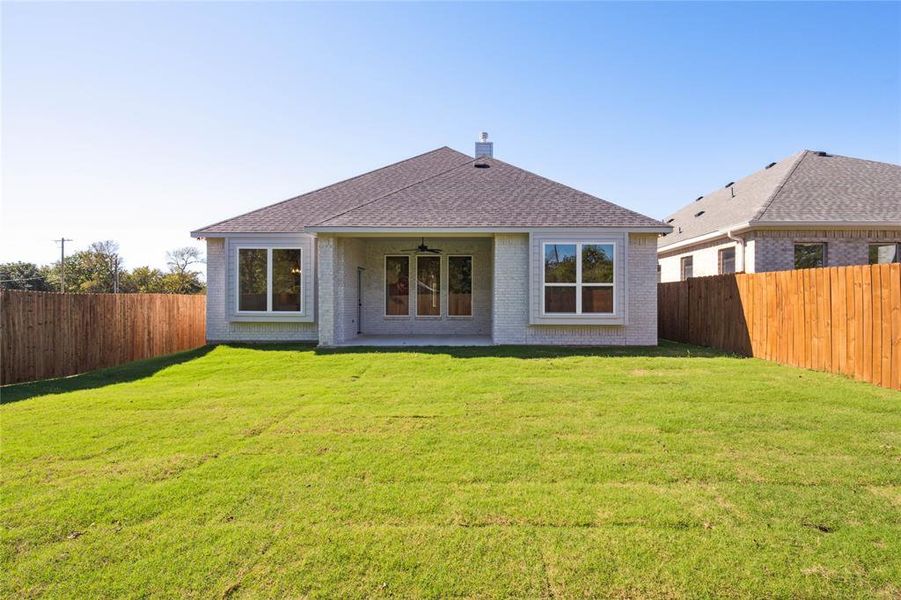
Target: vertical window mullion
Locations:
point(268, 279)
point(579, 278)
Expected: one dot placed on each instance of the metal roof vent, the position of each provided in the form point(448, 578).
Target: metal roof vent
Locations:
point(670, 220)
point(821, 153)
point(698, 198)
point(699, 213)
point(730, 184)
point(481, 165)
point(772, 164)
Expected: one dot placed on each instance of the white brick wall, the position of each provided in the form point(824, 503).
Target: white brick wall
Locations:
point(374, 320)
point(775, 250)
point(219, 328)
point(705, 260)
point(511, 299)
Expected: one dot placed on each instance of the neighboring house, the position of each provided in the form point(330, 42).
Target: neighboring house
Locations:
point(441, 248)
point(812, 209)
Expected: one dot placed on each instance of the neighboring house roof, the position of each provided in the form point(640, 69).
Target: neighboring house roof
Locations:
point(439, 189)
point(805, 188)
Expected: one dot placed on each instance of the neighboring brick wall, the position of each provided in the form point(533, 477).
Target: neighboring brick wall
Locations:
point(775, 251)
point(705, 259)
point(511, 299)
point(220, 329)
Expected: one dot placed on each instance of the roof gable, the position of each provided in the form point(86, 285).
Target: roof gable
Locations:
point(439, 189)
point(729, 205)
point(811, 187)
point(487, 192)
point(294, 214)
point(826, 187)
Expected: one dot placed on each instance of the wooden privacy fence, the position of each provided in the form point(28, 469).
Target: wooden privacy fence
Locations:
point(839, 319)
point(47, 335)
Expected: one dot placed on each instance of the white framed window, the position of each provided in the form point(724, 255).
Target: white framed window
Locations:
point(428, 285)
point(397, 285)
point(459, 286)
point(269, 280)
point(578, 278)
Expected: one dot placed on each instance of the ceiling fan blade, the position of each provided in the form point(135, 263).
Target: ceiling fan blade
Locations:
point(434, 250)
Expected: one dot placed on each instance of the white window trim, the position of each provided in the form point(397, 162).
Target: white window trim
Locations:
point(385, 285)
point(578, 285)
point(472, 266)
point(415, 288)
point(268, 311)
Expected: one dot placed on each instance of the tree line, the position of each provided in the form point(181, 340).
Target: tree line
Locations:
point(99, 269)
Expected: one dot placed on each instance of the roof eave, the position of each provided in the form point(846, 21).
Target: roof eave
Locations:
point(483, 229)
point(804, 225)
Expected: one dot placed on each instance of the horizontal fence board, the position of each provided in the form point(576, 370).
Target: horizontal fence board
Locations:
point(46, 335)
point(840, 319)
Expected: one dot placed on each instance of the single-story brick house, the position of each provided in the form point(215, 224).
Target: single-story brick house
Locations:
point(441, 248)
point(812, 209)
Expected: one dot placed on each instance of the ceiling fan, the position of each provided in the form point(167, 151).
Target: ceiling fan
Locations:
point(423, 247)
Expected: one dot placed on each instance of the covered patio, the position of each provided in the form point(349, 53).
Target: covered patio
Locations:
point(406, 290)
point(395, 341)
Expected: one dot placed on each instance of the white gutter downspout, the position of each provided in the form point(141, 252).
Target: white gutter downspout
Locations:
point(739, 268)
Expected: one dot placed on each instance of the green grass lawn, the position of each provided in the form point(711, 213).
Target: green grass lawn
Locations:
point(480, 472)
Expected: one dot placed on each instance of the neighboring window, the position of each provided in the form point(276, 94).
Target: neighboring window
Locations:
point(881, 254)
point(727, 261)
point(809, 256)
point(459, 286)
point(687, 267)
point(428, 286)
point(578, 278)
point(397, 286)
point(269, 280)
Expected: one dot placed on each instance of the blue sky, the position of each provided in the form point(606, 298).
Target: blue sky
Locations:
point(139, 122)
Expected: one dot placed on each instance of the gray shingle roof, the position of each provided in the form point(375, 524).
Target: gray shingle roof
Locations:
point(294, 214)
point(810, 187)
point(439, 189)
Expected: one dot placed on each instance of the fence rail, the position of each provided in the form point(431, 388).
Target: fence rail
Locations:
point(46, 335)
point(838, 319)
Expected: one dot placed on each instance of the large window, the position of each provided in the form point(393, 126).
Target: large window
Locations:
point(428, 286)
point(727, 260)
point(686, 267)
point(459, 286)
point(809, 256)
point(578, 278)
point(269, 280)
point(881, 254)
point(397, 286)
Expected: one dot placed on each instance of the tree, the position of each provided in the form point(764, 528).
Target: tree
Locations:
point(91, 270)
point(180, 259)
point(145, 280)
point(182, 283)
point(24, 276)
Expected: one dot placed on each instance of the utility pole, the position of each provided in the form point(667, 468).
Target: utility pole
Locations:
point(115, 274)
point(62, 261)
